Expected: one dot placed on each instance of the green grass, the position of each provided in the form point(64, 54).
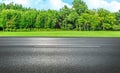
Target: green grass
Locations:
point(63, 34)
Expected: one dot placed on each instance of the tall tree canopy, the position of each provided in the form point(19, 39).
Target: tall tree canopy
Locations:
point(15, 17)
point(79, 6)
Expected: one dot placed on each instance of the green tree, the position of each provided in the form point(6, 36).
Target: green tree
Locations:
point(79, 6)
point(117, 16)
point(1, 22)
point(106, 17)
point(14, 17)
point(9, 17)
point(71, 19)
point(62, 16)
point(106, 26)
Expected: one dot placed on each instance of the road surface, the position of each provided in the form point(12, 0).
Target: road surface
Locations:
point(59, 55)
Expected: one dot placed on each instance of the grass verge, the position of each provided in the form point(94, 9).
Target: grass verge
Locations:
point(62, 34)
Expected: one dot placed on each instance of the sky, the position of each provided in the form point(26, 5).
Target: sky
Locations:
point(111, 5)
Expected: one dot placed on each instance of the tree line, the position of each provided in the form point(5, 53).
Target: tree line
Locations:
point(15, 17)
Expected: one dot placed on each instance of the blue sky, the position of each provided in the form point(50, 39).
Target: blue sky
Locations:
point(68, 1)
point(112, 0)
point(112, 5)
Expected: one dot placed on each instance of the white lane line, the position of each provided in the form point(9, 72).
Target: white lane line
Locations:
point(80, 46)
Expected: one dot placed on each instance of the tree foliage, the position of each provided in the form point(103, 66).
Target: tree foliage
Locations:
point(15, 17)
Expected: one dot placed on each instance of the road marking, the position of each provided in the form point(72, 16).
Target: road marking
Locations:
point(66, 46)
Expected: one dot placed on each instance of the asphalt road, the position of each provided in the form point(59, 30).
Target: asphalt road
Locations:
point(59, 55)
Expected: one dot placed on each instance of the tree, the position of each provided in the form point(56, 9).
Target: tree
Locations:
point(62, 16)
point(80, 22)
point(2, 6)
point(116, 27)
point(9, 17)
point(93, 19)
point(79, 6)
point(105, 17)
point(117, 16)
point(1, 22)
point(52, 18)
point(106, 26)
point(14, 17)
point(71, 18)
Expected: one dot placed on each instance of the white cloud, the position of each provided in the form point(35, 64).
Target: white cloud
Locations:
point(50, 4)
point(39, 4)
point(113, 6)
point(57, 4)
point(25, 3)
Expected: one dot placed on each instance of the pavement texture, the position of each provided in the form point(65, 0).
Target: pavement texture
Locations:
point(59, 55)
